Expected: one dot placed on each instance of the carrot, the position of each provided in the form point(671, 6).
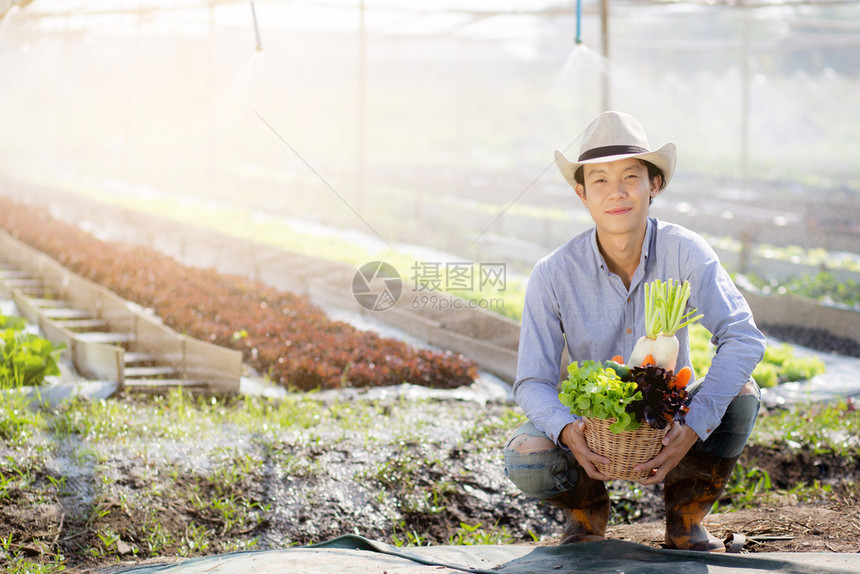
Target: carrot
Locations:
point(682, 377)
point(648, 360)
point(618, 359)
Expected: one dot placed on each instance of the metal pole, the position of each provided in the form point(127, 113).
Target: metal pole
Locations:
point(604, 44)
point(362, 79)
point(745, 97)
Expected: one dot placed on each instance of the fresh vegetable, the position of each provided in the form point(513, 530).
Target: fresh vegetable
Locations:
point(664, 316)
point(633, 396)
point(660, 400)
point(26, 359)
point(673, 302)
point(681, 378)
point(645, 345)
point(592, 390)
point(620, 369)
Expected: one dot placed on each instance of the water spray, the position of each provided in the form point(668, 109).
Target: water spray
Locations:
point(256, 27)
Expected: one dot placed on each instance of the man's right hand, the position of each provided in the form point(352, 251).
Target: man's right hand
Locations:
point(573, 436)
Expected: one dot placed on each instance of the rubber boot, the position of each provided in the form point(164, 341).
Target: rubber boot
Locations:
point(587, 510)
point(690, 490)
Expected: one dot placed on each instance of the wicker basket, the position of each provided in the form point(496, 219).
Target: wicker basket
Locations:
point(625, 449)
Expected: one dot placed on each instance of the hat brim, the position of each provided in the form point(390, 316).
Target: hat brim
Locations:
point(664, 158)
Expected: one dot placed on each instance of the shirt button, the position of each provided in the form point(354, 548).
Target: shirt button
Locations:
point(629, 331)
point(628, 299)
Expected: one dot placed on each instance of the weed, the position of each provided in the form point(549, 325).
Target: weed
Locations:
point(276, 413)
point(402, 536)
point(239, 544)
point(108, 538)
point(811, 492)
point(99, 510)
point(195, 541)
point(491, 431)
point(59, 485)
point(17, 421)
point(17, 563)
point(6, 484)
point(822, 428)
point(155, 537)
point(746, 487)
point(468, 535)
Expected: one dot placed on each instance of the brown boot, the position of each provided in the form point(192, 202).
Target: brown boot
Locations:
point(587, 511)
point(690, 490)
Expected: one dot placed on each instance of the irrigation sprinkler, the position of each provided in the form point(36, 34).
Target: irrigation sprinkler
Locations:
point(256, 27)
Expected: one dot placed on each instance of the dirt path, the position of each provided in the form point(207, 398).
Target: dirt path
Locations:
point(770, 529)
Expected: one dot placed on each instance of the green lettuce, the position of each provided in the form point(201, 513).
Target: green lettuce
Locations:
point(592, 390)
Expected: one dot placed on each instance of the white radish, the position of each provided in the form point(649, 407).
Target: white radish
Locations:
point(664, 316)
point(665, 351)
point(672, 300)
point(643, 347)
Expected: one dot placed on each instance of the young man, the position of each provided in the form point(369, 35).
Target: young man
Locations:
point(589, 295)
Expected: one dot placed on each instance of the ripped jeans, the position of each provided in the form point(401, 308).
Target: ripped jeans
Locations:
point(540, 468)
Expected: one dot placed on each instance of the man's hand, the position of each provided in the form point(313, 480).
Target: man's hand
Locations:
point(676, 443)
point(572, 436)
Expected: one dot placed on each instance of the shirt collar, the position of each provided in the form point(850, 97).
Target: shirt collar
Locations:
point(646, 246)
point(646, 243)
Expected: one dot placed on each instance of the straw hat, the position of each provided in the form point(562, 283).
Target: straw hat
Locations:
point(614, 136)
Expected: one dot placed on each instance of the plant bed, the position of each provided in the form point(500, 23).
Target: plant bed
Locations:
point(89, 484)
point(281, 334)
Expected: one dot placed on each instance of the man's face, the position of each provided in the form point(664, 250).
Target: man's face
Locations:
point(617, 194)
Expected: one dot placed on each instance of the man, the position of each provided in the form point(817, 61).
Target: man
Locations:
point(589, 295)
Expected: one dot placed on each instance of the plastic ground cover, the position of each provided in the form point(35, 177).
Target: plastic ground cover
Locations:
point(358, 555)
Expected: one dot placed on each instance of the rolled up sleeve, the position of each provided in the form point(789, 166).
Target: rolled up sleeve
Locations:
point(539, 359)
point(739, 345)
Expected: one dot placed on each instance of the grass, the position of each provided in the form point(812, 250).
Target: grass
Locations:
point(471, 535)
point(817, 431)
point(217, 481)
point(396, 448)
point(820, 428)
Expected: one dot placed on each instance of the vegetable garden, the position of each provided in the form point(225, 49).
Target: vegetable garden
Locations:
point(96, 483)
point(281, 335)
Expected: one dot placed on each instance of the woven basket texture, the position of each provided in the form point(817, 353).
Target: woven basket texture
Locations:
point(625, 449)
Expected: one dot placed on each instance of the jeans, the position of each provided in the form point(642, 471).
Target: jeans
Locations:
point(544, 473)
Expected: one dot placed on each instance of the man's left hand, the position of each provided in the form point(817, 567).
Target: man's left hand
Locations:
point(676, 443)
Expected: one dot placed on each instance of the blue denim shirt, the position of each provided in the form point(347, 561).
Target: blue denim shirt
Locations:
point(572, 296)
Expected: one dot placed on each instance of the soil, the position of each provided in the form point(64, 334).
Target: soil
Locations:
point(388, 464)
